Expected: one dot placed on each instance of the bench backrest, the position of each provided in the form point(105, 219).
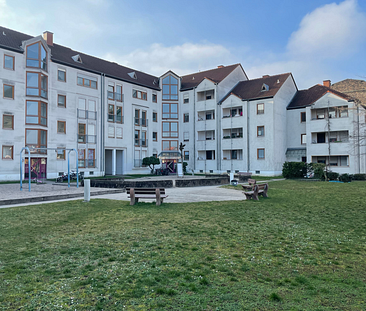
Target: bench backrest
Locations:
point(151, 191)
point(258, 187)
point(251, 181)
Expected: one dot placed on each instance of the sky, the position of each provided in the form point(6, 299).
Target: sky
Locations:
point(316, 40)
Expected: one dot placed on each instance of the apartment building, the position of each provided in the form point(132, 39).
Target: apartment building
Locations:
point(69, 107)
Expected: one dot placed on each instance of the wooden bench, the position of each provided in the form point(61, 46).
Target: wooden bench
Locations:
point(258, 189)
point(251, 183)
point(146, 193)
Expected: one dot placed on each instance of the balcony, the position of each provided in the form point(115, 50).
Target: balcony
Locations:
point(232, 136)
point(141, 122)
point(86, 114)
point(115, 96)
point(116, 118)
point(141, 142)
point(84, 139)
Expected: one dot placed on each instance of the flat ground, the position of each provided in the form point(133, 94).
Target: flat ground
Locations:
point(303, 248)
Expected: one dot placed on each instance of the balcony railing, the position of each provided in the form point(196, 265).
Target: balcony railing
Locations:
point(345, 140)
point(141, 122)
point(115, 96)
point(86, 114)
point(141, 142)
point(90, 139)
point(138, 163)
point(116, 118)
point(233, 135)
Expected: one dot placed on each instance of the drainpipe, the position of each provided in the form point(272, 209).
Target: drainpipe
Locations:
point(218, 131)
point(248, 145)
point(194, 129)
point(102, 144)
point(358, 139)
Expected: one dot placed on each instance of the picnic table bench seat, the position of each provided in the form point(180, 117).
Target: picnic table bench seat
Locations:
point(146, 193)
point(258, 189)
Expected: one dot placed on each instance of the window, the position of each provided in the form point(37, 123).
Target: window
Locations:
point(9, 62)
point(303, 159)
point(110, 92)
point(155, 117)
point(143, 118)
point(186, 136)
point(303, 139)
point(119, 93)
point(61, 127)
point(37, 56)
point(205, 95)
point(260, 108)
point(154, 98)
point(110, 113)
point(260, 153)
point(87, 82)
point(170, 129)
point(119, 114)
point(111, 131)
point(61, 75)
point(170, 111)
point(143, 139)
point(170, 144)
point(91, 157)
point(7, 153)
point(210, 115)
point(234, 154)
point(343, 112)
point(303, 117)
point(8, 122)
point(260, 131)
point(186, 117)
point(8, 91)
point(37, 84)
point(81, 133)
point(61, 101)
point(155, 136)
point(139, 94)
point(210, 154)
point(236, 112)
point(137, 116)
point(61, 153)
point(137, 138)
point(81, 157)
point(185, 98)
point(186, 155)
point(36, 113)
point(119, 132)
point(36, 139)
point(170, 88)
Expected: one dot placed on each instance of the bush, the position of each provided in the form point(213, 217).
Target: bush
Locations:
point(345, 178)
point(359, 177)
point(317, 169)
point(294, 169)
point(150, 162)
point(185, 164)
point(332, 176)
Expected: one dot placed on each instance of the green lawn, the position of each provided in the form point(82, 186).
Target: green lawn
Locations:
point(303, 248)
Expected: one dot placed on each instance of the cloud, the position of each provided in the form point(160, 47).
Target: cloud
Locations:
point(182, 59)
point(331, 31)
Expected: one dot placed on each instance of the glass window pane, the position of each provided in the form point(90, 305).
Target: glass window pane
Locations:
point(174, 96)
point(62, 75)
point(165, 89)
point(80, 81)
point(166, 97)
point(32, 137)
point(82, 129)
point(165, 145)
point(32, 108)
point(166, 80)
point(94, 84)
point(165, 126)
point(43, 137)
point(174, 89)
point(32, 120)
point(43, 54)
point(43, 110)
point(174, 108)
point(8, 122)
point(32, 51)
point(32, 79)
point(174, 145)
point(32, 92)
point(174, 127)
point(173, 80)
point(9, 62)
point(166, 108)
point(8, 91)
point(32, 63)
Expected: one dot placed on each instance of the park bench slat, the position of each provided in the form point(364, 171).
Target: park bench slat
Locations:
point(258, 189)
point(146, 193)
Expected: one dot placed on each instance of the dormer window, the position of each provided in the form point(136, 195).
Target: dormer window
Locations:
point(77, 58)
point(265, 88)
point(37, 56)
point(133, 75)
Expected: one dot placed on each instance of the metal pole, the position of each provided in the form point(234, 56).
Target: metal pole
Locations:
point(68, 169)
point(77, 169)
point(21, 169)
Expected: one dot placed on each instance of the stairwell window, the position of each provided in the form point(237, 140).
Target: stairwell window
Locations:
point(186, 117)
point(170, 88)
point(303, 139)
point(61, 75)
point(61, 101)
point(37, 56)
point(303, 117)
point(37, 84)
point(36, 113)
point(260, 131)
point(260, 108)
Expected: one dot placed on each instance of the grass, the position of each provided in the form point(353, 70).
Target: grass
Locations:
point(303, 248)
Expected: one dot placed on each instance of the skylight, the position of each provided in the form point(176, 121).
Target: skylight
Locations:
point(132, 75)
point(77, 58)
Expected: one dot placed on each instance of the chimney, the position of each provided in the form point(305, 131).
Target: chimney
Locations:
point(326, 83)
point(48, 36)
point(220, 66)
point(266, 76)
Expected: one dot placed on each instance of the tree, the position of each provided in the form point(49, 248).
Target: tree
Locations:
point(150, 162)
